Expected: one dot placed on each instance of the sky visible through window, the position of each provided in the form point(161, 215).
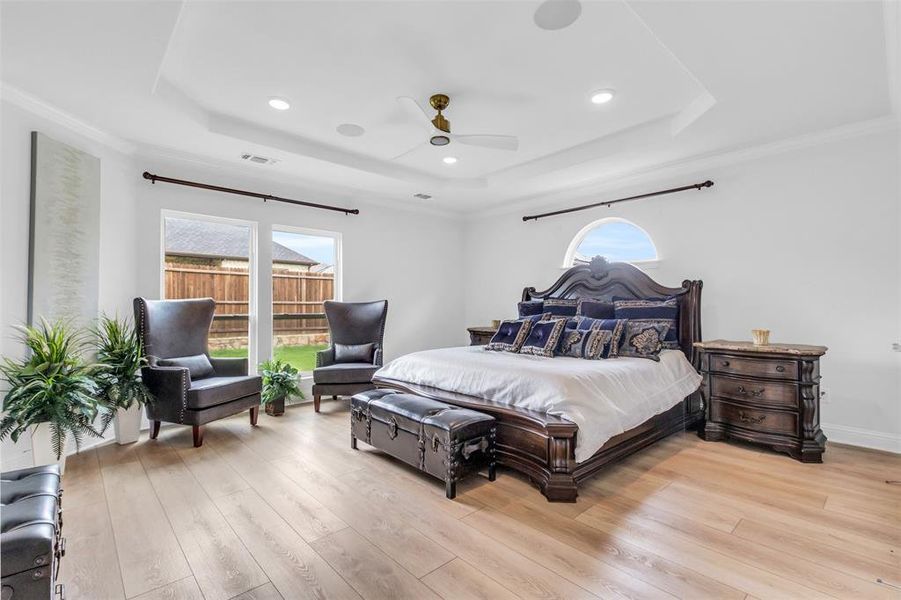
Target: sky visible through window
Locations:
point(617, 241)
point(319, 248)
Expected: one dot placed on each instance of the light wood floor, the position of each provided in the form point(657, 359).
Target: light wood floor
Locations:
point(287, 510)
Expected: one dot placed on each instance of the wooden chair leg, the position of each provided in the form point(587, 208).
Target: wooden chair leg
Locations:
point(334, 397)
point(353, 441)
point(254, 415)
point(316, 399)
point(450, 489)
point(154, 429)
point(198, 435)
point(492, 471)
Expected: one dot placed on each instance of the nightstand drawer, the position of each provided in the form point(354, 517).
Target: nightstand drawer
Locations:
point(754, 367)
point(755, 391)
point(770, 421)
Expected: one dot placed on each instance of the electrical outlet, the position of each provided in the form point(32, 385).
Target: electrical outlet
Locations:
point(825, 396)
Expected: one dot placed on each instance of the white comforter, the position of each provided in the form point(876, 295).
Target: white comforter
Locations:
point(603, 397)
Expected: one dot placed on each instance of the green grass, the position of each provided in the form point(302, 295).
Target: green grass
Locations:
point(302, 358)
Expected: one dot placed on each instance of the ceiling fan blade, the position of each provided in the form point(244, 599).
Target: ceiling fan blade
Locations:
point(410, 151)
point(416, 112)
point(498, 142)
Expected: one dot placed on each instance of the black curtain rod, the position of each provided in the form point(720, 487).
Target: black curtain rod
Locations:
point(264, 197)
point(695, 186)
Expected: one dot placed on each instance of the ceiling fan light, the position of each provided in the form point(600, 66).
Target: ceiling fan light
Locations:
point(602, 96)
point(439, 140)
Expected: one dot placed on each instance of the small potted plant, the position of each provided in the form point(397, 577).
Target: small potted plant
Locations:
point(121, 390)
point(52, 392)
point(279, 382)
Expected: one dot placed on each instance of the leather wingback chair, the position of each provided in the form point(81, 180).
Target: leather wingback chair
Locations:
point(357, 332)
point(189, 386)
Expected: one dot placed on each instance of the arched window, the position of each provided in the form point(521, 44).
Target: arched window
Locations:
point(615, 239)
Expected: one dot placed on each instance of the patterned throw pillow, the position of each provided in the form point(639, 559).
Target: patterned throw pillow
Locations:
point(510, 335)
point(580, 343)
point(530, 308)
point(614, 326)
point(643, 339)
point(543, 338)
point(561, 306)
point(653, 310)
point(596, 309)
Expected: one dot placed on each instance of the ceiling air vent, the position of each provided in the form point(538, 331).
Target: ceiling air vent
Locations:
point(422, 196)
point(260, 160)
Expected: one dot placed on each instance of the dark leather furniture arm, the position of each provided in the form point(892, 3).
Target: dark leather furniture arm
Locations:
point(167, 382)
point(325, 357)
point(229, 367)
point(377, 357)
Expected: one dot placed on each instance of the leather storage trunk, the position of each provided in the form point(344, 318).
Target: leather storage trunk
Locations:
point(442, 440)
point(31, 541)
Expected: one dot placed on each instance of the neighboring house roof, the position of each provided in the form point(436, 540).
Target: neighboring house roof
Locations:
point(187, 237)
point(323, 268)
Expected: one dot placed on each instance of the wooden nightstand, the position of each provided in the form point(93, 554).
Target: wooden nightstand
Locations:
point(763, 394)
point(479, 336)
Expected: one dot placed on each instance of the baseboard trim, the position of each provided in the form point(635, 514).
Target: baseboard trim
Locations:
point(865, 438)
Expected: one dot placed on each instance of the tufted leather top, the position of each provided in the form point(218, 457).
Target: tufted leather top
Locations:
point(410, 411)
point(28, 519)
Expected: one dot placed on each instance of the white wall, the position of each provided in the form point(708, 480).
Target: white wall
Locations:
point(117, 249)
point(804, 243)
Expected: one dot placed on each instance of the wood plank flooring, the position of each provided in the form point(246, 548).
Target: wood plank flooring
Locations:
point(287, 510)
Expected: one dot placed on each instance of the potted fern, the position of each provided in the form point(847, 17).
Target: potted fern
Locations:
point(279, 382)
point(52, 392)
point(121, 390)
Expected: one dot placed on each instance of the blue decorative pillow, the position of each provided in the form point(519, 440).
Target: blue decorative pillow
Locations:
point(561, 306)
point(643, 339)
point(510, 336)
point(539, 317)
point(596, 309)
point(530, 308)
point(589, 343)
point(543, 338)
point(616, 327)
point(653, 310)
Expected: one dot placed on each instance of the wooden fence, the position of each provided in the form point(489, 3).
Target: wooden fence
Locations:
point(297, 297)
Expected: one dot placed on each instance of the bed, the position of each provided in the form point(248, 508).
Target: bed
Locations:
point(610, 410)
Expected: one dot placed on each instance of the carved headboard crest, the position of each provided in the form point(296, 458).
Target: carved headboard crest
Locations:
point(599, 266)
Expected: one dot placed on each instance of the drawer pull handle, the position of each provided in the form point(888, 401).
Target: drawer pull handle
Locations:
point(780, 369)
point(725, 363)
point(754, 420)
point(392, 428)
point(755, 393)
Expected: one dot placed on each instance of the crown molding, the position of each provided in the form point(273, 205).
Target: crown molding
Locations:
point(47, 111)
point(698, 162)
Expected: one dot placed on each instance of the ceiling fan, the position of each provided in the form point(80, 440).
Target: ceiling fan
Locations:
point(439, 128)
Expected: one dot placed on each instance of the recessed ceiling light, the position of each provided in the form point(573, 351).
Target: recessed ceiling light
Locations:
point(279, 103)
point(350, 130)
point(449, 160)
point(557, 14)
point(602, 97)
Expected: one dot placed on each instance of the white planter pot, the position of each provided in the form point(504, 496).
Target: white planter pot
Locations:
point(128, 424)
point(42, 449)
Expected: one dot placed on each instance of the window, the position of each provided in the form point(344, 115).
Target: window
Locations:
point(305, 273)
point(615, 239)
point(206, 257)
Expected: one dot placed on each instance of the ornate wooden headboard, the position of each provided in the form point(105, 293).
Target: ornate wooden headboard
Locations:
point(604, 280)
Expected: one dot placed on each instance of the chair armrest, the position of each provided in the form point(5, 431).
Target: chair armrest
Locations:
point(167, 383)
point(377, 357)
point(229, 367)
point(325, 357)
